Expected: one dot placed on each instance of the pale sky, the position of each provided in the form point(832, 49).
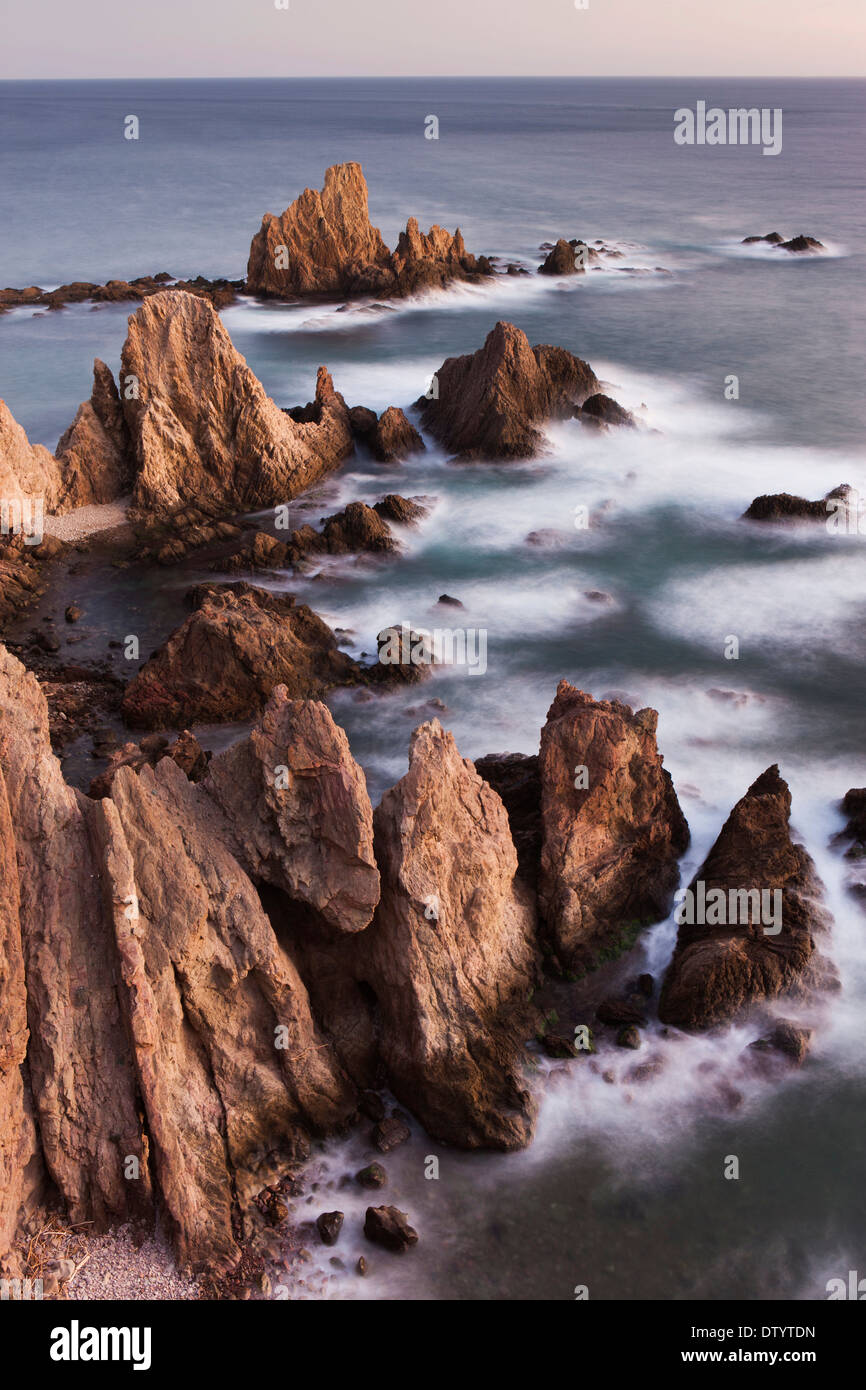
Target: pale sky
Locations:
point(333, 38)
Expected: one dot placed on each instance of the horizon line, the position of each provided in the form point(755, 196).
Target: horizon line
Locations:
point(465, 77)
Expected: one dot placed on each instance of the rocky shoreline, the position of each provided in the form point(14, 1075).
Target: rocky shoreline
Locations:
point(213, 961)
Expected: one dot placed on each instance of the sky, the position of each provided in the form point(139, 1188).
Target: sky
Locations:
point(336, 38)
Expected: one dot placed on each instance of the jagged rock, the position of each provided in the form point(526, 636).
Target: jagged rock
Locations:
point(717, 970)
point(612, 834)
point(300, 815)
point(363, 421)
point(27, 471)
point(774, 238)
point(390, 1228)
point(561, 260)
point(854, 837)
point(515, 778)
point(20, 1163)
point(799, 244)
point(228, 656)
point(324, 244)
point(558, 1047)
point(95, 453)
point(394, 438)
point(404, 656)
point(450, 954)
point(79, 1057)
point(185, 751)
point(490, 402)
point(358, 527)
point(202, 425)
point(600, 410)
point(219, 292)
point(784, 506)
point(402, 510)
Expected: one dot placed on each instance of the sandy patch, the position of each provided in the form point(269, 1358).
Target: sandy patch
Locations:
point(86, 521)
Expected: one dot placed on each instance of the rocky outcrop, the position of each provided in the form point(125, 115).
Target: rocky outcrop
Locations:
point(185, 750)
point(612, 827)
point(220, 292)
point(746, 949)
point(79, 1056)
point(489, 404)
point(202, 425)
point(450, 955)
point(797, 245)
point(394, 439)
point(95, 453)
point(324, 244)
point(27, 471)
point(20, 1164)
point(299, 812)
point(853, 837)
point(171, 1044)
point(784, 506)
point(403, 511)
point(562, 260)
point(226, 659)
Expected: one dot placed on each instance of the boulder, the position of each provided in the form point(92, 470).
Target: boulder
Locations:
point(450, 955)
point(229, 655)
point(491, 402)
point(718, 970)
point(390, 1228)
point(324, 244)
point(358, 527)
point(394, 438)
point(600, 411)
point(404, 511)
point(561, 260)
point(612, 828)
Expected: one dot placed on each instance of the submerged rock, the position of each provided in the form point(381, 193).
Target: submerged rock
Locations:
point(600, 411)
point(784, 506)
point(719, 968)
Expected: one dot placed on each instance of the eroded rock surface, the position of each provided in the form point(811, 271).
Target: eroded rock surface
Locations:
point(225, 660)
point(719, 969)
point(490, 403)
point(324, 244)
point(612, 828)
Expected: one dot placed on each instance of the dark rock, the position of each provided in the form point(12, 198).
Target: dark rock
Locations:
point(516, 779)
point(557, 1046)
point(394, 438)
point(718, 970)
point(784, 506)
point(619, 1011)
point(372, 1176)
point(604, 410)
point(390, 1133)
point(390, 1228)
point(787, 1038)
point(405, 511)
point(448, 601)
point(628, 1037)
point(329, 1224)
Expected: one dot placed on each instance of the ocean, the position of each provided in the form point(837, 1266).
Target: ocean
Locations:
point(623, 1189)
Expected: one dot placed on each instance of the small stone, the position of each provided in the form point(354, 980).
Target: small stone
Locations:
point(361, 1266)
point(628, 1037)
point(388, 1134)
point(73, 613)
point(373, 1175)
point(329, 1224)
